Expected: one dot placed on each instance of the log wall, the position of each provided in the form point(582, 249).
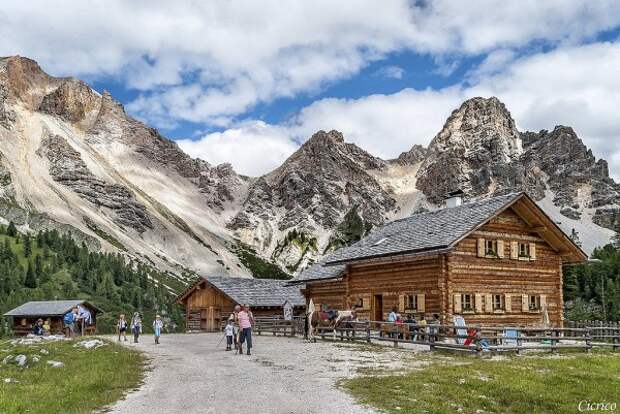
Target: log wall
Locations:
point(483, 276)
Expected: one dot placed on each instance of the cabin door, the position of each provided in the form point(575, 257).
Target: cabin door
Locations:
point(213, 319)
point(377, 308)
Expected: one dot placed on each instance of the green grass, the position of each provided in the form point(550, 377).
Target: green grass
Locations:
point(89, 380)
point(508, 385)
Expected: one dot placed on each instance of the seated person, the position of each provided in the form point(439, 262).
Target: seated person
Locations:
point(38, 328)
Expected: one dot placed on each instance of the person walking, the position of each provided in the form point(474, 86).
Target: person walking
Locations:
point(158, 324)
point(136, 327)
point(246, 320)
point(229, 331)
point(121, 325)
point(235, 319)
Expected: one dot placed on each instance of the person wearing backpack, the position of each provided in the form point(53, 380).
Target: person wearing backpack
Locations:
point(69, 322)
point(158, 324)
point(136, 327)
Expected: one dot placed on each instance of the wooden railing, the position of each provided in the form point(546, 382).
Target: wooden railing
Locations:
point(476, 338)
point(279, 326)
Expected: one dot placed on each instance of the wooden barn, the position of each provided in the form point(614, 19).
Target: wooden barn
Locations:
point(26, 315)
point(495, 262)
point(211, 300)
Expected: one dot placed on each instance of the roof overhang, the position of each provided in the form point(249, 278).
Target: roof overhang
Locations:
point(540, 223)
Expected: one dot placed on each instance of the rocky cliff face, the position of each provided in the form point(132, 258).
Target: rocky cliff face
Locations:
point(311, 193)
point(74, 160)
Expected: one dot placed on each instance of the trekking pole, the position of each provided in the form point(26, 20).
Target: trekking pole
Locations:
point(221, 339)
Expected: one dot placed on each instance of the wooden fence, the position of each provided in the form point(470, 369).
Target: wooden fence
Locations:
point(279, 326)
point(478, 339)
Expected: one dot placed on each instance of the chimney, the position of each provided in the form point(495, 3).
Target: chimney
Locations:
point(454, 198)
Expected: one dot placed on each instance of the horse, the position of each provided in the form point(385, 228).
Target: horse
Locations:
point(314, 320)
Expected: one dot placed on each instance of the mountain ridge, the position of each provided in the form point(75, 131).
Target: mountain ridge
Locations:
point(73, 159)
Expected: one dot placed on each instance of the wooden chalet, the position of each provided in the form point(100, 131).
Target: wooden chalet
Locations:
point(211, 300)
point(495, 262)
point(25, 316)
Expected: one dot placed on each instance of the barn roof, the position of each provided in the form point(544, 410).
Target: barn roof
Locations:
point(254, 292)
point(439, 231)
point(47, 307)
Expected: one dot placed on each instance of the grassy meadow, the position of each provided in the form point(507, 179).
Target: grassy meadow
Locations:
point(89, 379)
point(528, 384)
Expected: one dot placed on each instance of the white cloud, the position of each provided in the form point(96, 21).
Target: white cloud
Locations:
point(574, 86)
point(393, 72)
point(252, 147)
point(212, 61)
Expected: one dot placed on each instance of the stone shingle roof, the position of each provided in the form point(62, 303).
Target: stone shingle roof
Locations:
point(433, 230)
point(320, 271)
point(258, 292)
point(47, 308)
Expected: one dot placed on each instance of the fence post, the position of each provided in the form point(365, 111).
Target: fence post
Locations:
point(431, 340)
point(368, 331)
point(588, 340)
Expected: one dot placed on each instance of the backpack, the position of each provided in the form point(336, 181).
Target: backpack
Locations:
point(68, 318)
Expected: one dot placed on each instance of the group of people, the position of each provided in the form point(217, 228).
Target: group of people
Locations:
point(135, 325)
point(417, 327)
point(76, 321)
point(42, 328)
point(238, 329)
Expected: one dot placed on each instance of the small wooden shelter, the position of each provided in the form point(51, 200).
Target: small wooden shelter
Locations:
point(495, 262)
point(212, 299)
point(25, 316)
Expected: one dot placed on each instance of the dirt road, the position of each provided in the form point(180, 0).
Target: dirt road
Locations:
point(190, 374)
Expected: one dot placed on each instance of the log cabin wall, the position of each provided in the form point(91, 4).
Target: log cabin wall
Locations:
point(411, 286)
point(469, 271)
point(329, 293)
point(206, 307)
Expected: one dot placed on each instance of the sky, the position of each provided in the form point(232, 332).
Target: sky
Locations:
point(247, 82)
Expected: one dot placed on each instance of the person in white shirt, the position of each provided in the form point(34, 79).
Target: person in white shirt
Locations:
point(229, 331)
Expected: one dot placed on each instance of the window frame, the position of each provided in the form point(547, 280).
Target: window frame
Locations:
point(411, 302)
point(526, 249)
point(490, 248)
point(533, 305)
point(472, 304)
point(502, 302)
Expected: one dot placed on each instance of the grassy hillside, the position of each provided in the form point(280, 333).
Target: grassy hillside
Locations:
point(48, 265)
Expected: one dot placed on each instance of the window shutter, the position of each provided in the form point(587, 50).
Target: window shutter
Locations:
point(481, 248)
point(524, 305)
point(532, 251)
point(543, 302)
point(514, 250)
point(488, 302)
point(500, 249)
point(401, 303)
point(478, 303)
point(457, 302)
point(507, 303)
point(421, 304)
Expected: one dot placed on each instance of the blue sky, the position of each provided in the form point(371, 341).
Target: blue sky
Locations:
point(247, 83)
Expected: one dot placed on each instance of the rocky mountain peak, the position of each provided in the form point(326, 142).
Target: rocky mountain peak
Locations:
point(24, 80)
point(416, 154)
point(480, 125)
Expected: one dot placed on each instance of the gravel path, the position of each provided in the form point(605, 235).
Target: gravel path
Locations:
point(284, 375)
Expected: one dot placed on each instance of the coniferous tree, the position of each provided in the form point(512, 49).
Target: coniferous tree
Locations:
point(11, 230)
point(30, 280)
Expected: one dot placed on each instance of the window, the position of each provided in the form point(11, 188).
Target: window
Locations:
point(411, 302)
point(359, 303)
point(467, 302)
point(490, 247)
point(524, 250)
point(498, 302)
point(533, 302)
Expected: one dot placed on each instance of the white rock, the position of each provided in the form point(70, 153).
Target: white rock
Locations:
point(8, 380)
point(7, 359)
point(21, 360)
point(89, 344)
point(44, 351)
point(55, 364)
